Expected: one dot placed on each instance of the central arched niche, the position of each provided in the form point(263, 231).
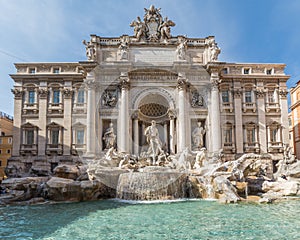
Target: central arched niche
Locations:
point(153, 107)
point(152, 101)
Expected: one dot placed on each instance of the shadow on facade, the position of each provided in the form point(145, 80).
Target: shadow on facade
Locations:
point(36, 155)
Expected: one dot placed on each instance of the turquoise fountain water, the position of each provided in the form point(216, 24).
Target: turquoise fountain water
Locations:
point(112, 219)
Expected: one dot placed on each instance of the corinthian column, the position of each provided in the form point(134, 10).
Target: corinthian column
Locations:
point(90, 127)
point(135, 133)
point(123, 120)
point(17, 121)
point(43, 94)
point(181, 136)
point(172, 132)
point(67, 139)
point(284, 115)
point(215, 112)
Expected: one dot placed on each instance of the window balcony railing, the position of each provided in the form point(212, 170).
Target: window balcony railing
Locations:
point(55, 108)
point(252, 147)
point(249, 106)
point(229, 147)
point(78, 148)
point(30, 108)
point(275, 147)
point(274, 107)
point(227, 107)
point(54, 149)
point(79, 108)
point(28, 149)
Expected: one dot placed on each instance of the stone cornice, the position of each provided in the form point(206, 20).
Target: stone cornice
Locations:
point(255, 76)
point(173, 42)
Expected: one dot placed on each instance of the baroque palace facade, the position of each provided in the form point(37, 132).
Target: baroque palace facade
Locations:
point(64, 110)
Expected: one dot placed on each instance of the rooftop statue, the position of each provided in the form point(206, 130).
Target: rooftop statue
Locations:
point(154, 28)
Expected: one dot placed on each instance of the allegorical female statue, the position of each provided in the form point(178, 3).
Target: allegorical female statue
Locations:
point(198, 135)
point(109, 137)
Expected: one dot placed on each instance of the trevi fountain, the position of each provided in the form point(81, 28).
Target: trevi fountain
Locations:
point(154, 192)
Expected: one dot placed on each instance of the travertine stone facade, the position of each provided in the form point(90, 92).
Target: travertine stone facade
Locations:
point(63, 109)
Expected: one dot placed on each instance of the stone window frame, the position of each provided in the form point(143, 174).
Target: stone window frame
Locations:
point(28, 106)
point(32, 70)
point(57, 146)
point(26, 128)
point(246, 70)
point(29, 147)
point(272, 97)
point(277, 127)
point(56, 70)
point(274, 145)
point(79, 107)
point(78, 147)
point(228, 146)
point(225, 70)
point(249, 105)
point(253, 145)
point(52, 106)
point(226, 106)
point(269, 71)
point(228, 126)
point(53, 126)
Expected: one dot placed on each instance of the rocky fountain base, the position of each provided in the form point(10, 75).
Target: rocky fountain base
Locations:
point(187, 175)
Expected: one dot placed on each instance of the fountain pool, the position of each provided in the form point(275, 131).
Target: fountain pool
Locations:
point(112, 219)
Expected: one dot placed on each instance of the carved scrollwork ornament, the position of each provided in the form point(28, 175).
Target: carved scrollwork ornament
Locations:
point(43, 93)
point(260, 93)
point(283, 93)
point(17, 92)
point(67, 93)
point(237, 93)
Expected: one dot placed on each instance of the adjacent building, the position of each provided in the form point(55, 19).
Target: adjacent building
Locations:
point(6, 127)
point(295, 119)
point(62, 110)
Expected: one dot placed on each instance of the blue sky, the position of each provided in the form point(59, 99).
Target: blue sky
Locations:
point(256, 31)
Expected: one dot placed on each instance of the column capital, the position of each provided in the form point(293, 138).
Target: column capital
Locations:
point(171, 114)
point(215, 79)
point(124, 81)
point(283, 93)
point(182, 82)
point(90, 83)
point(17, 92)
point(260, 93)
point(237, 93)
point(67, 92)
point(43, 93)
point(135, 115)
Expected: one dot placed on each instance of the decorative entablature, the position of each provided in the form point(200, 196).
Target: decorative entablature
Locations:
point(152, 75)
point(33, 69)
point(253, 70)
